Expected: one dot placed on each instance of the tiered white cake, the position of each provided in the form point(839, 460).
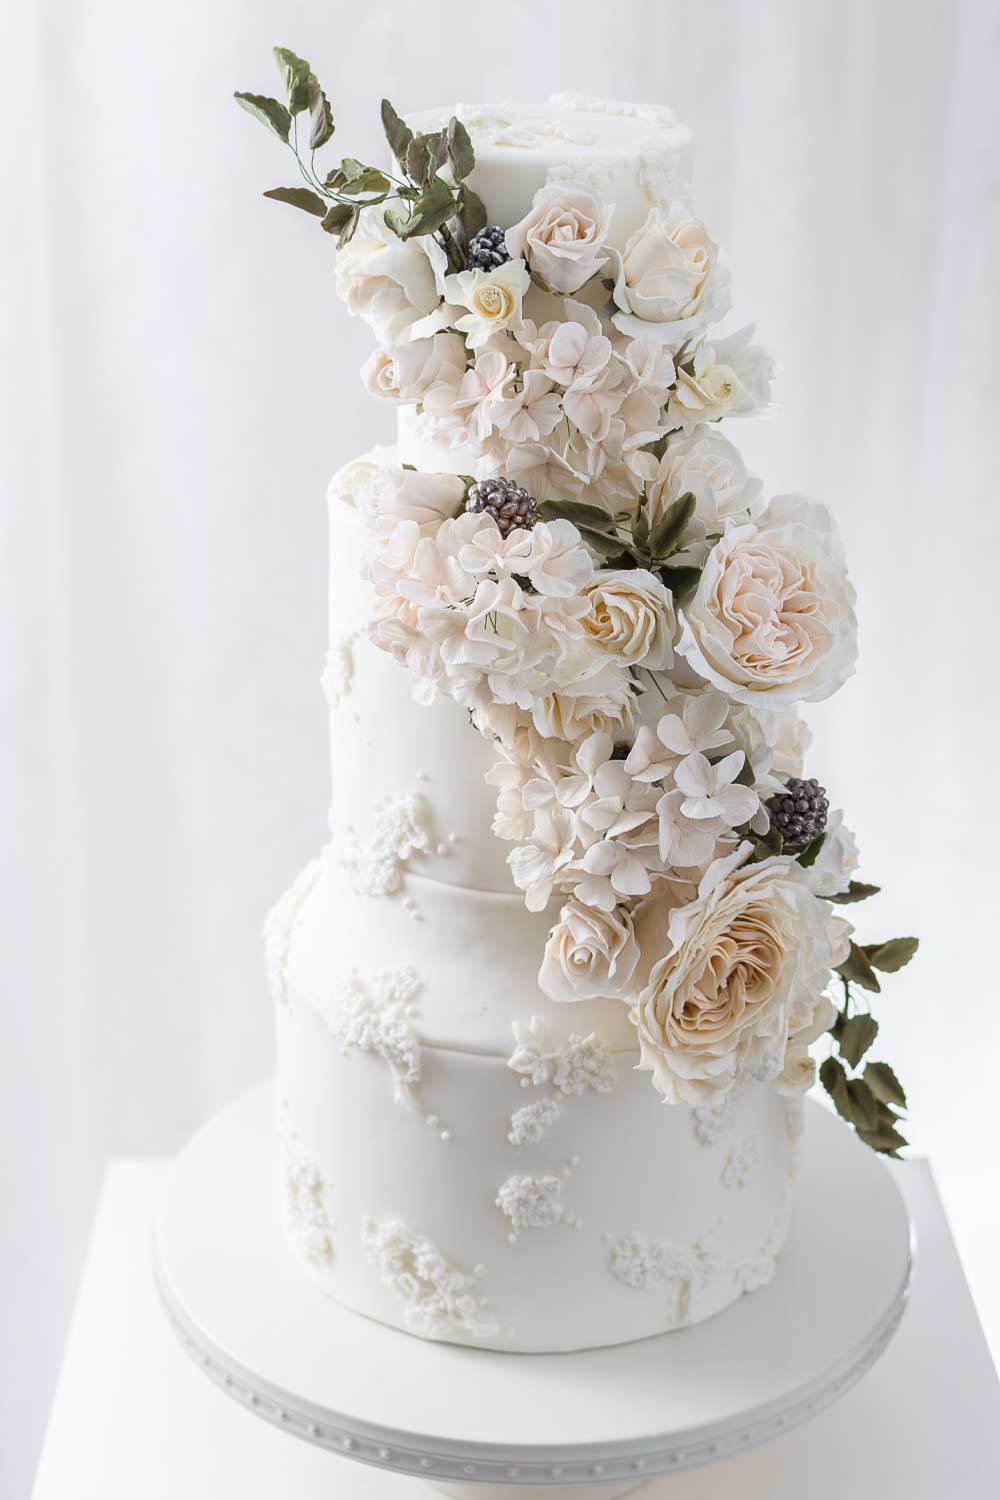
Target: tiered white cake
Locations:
point(466, 1155)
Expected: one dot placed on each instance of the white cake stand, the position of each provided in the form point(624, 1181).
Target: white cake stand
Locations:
point(596, 1423)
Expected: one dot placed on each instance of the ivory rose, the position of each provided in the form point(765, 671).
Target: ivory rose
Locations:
point(391, 494)
point(604, 703)
point(783, 736)
point(743, 968)
point(562, 235)
point(669, 282)
point(391, 283)
point(590, 954)
point(407, 372)
point(708, 466)
point(772, 619)
point(631, 618)
point(349, 480)
point(729, 377)
point(831, 871)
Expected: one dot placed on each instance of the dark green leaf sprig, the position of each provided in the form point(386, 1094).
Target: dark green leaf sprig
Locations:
point(419, 201)
point(627, 541)
point(872, 1100)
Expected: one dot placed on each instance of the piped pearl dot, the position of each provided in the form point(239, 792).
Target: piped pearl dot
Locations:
point(446, 1135)
point(442, 849)
point(479, 1271)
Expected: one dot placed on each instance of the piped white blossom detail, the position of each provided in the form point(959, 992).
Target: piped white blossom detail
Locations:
point(581, 1063)
point(437, 1297)
point(303, 1203)
point(529, 1123)
point(740, 1163)
point(400, 830)
point(375, 1015)
point(338, 669)
point(713, 1120)
point(637, 1260)
point(530, 1201)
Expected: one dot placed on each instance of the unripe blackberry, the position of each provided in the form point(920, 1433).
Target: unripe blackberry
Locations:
point(799, 812)
point(487, 249)
point(508, 503)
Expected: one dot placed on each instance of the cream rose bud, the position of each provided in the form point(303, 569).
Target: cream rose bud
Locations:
point(831, 871)
point(590, 954)
point(741, 973)
point(708, 466)
point(631, 618)
point(407, 372)
point(669, 276)
point(729, 377)
point(492, 300)
point(562, 235)
point(390, 495)
point(349, 480)
point(772, 620)
point(603, 703)
point(783, 735)
point(391, 283)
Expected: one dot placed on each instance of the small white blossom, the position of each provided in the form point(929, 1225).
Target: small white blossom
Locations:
point(711, 791)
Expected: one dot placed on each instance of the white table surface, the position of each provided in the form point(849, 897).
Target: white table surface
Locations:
point(135, 1419)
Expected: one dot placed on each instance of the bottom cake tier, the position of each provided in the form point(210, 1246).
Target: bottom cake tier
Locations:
point(533, 1194)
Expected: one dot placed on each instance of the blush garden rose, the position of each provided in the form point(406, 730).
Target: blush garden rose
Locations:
point(742, 964)
point(772, 620)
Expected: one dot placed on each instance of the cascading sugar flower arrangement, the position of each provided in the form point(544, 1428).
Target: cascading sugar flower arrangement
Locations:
point(605, 589)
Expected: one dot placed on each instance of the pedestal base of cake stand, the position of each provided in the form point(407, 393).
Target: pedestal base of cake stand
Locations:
point(597, 1423)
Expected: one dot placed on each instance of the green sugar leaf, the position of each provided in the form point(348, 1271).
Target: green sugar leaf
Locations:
point(295, 76)
point(893, 955)
point(884, 1084)
point(856, 1037)
point(856, 891)
point(434, 207)
point(300, 197)
point(810, 852)
point(268, 111)
point(858, 970)
point(472, 211)
point(667, 532)
point(397, 132)
point(461, 156)
point(681, 581)
point(576, 511)
point(320, 115)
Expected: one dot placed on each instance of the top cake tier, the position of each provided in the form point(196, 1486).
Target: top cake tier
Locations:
point(635, 155)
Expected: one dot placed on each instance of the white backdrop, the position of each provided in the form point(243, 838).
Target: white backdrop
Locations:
point(181, 383)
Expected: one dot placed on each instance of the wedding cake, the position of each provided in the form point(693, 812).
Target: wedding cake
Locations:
point(547, 1002)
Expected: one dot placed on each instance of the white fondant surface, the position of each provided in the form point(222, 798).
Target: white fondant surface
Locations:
point(635, 155)
point(613, 1176)
point(467, 1415)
